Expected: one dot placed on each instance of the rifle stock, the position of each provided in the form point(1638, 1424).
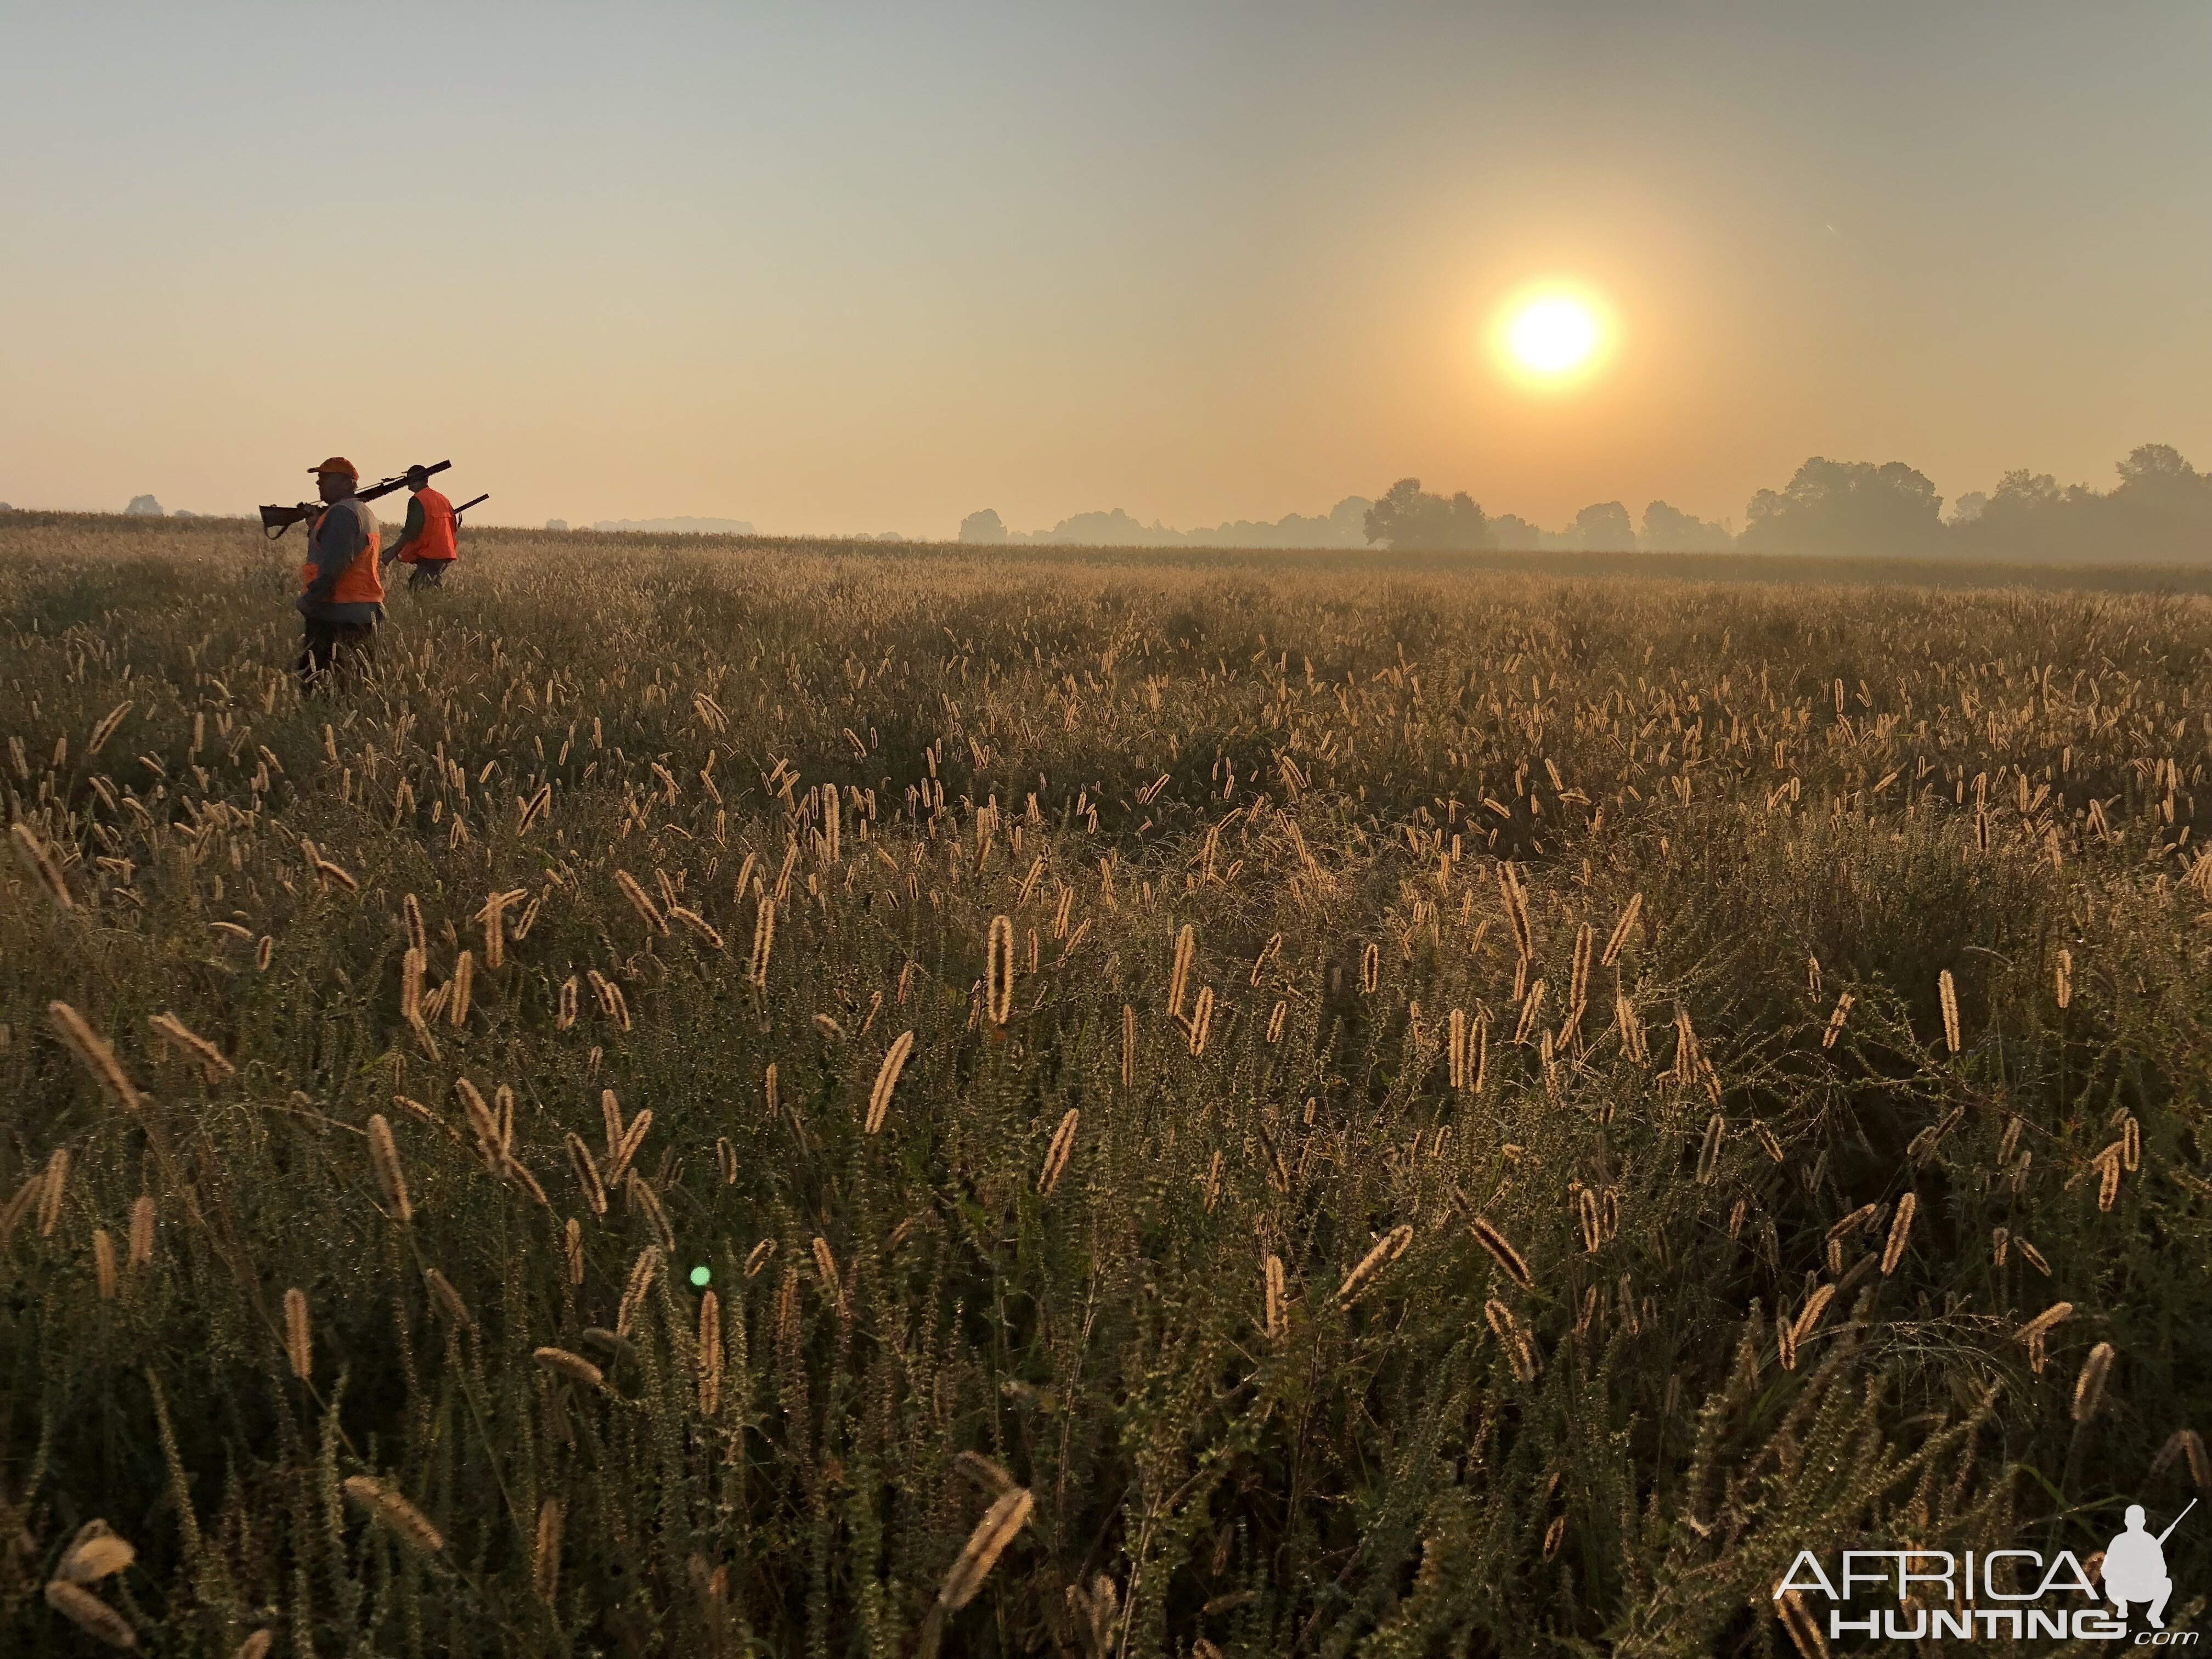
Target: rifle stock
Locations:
point(278, 519)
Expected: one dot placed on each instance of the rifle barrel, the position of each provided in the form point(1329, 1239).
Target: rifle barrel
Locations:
point(391, 484)
point(2178, 1520)
point(281, 519)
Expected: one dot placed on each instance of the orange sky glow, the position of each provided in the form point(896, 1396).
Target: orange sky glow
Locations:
point(834, 270)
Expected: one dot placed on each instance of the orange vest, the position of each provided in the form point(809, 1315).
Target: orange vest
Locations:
point(360, 582)
point(436, 544)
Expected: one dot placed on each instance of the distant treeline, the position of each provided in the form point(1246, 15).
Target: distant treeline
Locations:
point(2160, 511)
point(1343, 526)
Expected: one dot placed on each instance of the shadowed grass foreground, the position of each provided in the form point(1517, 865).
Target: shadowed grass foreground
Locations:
point(1443, 1114)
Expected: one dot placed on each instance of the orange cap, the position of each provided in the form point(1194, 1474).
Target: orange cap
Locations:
point(337, 463)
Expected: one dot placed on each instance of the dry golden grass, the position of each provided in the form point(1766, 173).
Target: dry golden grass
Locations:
point(90, 1615)
point(1116, 924)
point(394, 1513)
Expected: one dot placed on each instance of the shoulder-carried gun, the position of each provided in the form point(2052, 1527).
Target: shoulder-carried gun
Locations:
point(2178, 1520)
point(276, 521)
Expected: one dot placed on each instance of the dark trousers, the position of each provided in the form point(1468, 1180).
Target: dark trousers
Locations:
point(335, 653)
point(430, 573)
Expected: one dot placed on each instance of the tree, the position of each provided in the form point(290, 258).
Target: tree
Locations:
point(1670, 530)
point(2160, 509)
point(1604, 527)
point(1406, 517)
point(2022, 491)
point(1511, 533)
point(2163, 506)
point(1114, 527)
point(2029, 515)
point(1846, 506)
point(2153, 465)
point(984, 526)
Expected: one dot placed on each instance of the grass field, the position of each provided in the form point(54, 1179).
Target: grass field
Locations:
point(775, 1100)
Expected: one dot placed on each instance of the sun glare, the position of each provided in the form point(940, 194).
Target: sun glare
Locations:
point(1552, 337)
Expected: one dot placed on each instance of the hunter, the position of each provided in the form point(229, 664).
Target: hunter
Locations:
point(342, 593)
point(428, 542)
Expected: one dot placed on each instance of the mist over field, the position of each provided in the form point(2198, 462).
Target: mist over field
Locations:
point(2158, 511)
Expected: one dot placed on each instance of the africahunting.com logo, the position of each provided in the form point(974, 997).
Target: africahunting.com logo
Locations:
point(1982, 1597)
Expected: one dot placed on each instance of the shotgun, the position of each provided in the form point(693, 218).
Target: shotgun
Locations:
point(276, 521)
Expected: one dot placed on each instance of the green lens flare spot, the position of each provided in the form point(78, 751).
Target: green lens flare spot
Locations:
point(700, 1276)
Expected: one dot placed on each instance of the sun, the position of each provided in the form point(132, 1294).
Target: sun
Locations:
point(1552, 336)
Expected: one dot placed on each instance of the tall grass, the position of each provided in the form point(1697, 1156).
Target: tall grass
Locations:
point(790, 1100)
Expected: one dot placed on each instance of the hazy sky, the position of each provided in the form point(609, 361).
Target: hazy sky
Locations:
point(845, 267)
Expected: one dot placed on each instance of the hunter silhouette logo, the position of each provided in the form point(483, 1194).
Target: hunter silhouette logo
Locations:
point(2017, 1595)
point(2134, 1567)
